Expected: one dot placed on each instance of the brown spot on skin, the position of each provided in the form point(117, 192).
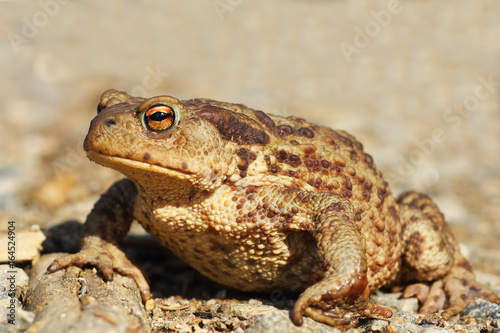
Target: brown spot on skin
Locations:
point(264, 119)
point(382, 192)
point(309, 149)
point(354, 156)
point(147, 156)
point(335, 171)
point(358, 145)
point(394, 213)
point(282, 156)
point(304, 131)
point(312, 164)
point(347, 194)
point(358, 214)
point(360, 179)
point(285, 130)
point(392, 238)
point(184, 166)
point(464, 264)
point(273, 168)
point(292, 159)
point(325, 164)
point(368, 159)
point(343, 139)
point(414, 242)
point(246, 156)
point(379, 225)
point(379, 241)
point(351, 171)
point(231, 128)
point(330, 141)
point(348, 185)
point(336, 207)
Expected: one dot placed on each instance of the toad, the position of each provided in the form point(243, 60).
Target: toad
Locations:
point(261, 203)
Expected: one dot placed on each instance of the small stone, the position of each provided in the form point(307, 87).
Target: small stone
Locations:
point(150, 305)
point(482, 309)
point(13, 282)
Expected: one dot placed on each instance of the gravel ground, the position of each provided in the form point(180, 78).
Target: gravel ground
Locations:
point(416, 81)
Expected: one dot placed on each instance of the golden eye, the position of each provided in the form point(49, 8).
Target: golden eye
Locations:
point(159, 117)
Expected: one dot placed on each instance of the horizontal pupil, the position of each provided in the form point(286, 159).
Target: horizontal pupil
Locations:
point(160, 116)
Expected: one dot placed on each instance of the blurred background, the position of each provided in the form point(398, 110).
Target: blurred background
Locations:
point(417, 82)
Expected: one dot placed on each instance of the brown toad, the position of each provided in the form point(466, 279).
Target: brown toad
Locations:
point(259, 202)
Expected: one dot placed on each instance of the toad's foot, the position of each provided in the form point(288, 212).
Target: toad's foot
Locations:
point(452, 293)
point(105, 257)
point(336, 305)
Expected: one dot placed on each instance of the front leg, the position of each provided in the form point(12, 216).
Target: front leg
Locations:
point(108, 222)
point(343, 292)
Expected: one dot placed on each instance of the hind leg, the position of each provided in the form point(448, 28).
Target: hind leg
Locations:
point(432, 256)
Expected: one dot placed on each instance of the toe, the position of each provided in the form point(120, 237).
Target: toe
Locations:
point(451, 294)
point(105, 266)
point(435, 300)
point(323, 317)
point(419, 290)
point(60, 263)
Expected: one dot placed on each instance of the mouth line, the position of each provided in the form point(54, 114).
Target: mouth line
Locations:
point(98, 157)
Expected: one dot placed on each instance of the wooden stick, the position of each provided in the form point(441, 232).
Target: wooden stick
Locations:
point(79, 300)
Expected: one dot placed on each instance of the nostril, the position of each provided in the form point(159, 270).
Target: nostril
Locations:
point(110, 122)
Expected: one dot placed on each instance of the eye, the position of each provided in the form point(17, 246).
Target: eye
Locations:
point(159, 117)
